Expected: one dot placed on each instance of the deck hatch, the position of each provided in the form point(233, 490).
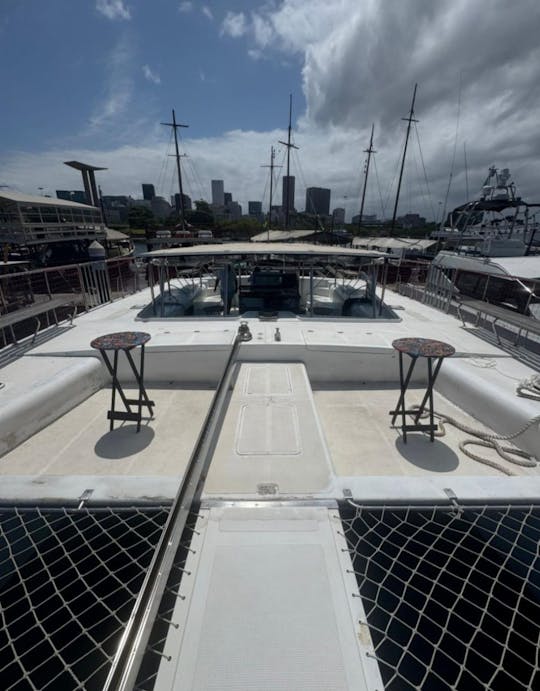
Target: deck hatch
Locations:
point(452, 596)
point(68, 582)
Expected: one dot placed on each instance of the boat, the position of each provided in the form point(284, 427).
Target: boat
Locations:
point(498, 223)
point(270, 514)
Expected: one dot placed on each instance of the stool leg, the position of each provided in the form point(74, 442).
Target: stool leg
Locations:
point(114, 384)
point(432, 377)
point(141, 389)
point(431, 384)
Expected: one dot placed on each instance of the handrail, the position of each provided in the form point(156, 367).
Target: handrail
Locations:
point(125, 667)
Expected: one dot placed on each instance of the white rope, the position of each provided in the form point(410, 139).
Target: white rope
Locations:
point(529, 387)
point(490, 441)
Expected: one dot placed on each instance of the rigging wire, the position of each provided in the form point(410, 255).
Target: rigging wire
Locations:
point(383, 209)
point(454, 153)
point(163, 172)
point(429, 195)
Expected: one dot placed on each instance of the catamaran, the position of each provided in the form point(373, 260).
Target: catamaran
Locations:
point(255, 473)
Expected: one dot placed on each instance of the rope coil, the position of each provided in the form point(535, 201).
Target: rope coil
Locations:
point(512, 454)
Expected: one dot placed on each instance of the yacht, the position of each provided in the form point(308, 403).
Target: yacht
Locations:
point(273, 510)
point(498, 223)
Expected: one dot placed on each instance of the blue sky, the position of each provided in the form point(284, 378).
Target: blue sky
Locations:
point(92, 80)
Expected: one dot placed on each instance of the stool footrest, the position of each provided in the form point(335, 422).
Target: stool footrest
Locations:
point(419, 428)
point(120, 415)
point(135, 401)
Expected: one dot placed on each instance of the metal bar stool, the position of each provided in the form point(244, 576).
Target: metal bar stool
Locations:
point(125, 341)
point(416, 348)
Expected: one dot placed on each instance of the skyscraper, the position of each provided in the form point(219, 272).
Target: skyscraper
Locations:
point(318, 201)
point(288, 185)
point(218, 194)
point(148, 191)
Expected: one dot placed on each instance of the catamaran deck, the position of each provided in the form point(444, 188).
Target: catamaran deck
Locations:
point(268, 592)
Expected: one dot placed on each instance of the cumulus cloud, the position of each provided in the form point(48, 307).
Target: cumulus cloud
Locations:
point(476, 68)
point(234, 24)
point(207, 12)
point(185, 6)
point(151, 75)
point(113, 9)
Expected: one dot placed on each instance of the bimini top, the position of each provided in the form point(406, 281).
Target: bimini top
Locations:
point(290, 248)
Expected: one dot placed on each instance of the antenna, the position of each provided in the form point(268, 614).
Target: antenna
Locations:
point(368, 151)
point(410, 119)
point(289, 147)
point(271, 166)
point(175, 126)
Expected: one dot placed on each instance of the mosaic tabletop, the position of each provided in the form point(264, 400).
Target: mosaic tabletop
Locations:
point(123, 340)
point(423, 347)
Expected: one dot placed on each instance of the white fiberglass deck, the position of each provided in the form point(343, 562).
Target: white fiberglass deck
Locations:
point(260, 608)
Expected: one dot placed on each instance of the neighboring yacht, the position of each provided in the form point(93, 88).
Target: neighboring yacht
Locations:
point(498, 223)
point(286, 517)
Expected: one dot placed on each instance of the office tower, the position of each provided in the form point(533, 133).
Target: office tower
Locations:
point(338, 215)
point(218, 195)
point(254, 208)
point(175, 201)
point(288, 184)
point(148, 191)
point(227, 198)
point(318, 201)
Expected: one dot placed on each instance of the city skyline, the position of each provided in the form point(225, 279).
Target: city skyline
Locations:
point(101, 95)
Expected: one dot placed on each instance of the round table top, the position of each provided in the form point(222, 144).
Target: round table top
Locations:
point(122, 340)
point(423, 347)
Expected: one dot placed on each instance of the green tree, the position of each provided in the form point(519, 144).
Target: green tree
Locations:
point(140, 217)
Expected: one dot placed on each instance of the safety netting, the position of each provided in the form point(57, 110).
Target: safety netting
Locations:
point(451, 595)
point(68, 581)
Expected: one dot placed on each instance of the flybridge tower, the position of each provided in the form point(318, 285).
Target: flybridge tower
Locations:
point(89, 180)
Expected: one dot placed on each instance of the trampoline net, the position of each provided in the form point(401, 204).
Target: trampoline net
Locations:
point(452, 597)
point(68, 582)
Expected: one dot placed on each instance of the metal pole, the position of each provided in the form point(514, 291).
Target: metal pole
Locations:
point(175, 126)
point(368, 151)
point(409, 120)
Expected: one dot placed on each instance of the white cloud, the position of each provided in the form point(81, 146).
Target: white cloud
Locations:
point(118, 85)
point(207, 12)
point(185, 6)
point(234, 24)
point(151, 75)
point(360, 60)
point(113, 9)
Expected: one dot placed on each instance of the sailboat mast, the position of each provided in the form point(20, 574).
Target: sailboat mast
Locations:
point(368, 151)
point(289, 147)
point(410, 119)
point(175, 126)
point(271, 166)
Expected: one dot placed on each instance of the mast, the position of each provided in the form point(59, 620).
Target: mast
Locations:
point(368, 151)
point(289, 147)
point(410, 119)
point(175, 126)
point(271, 166)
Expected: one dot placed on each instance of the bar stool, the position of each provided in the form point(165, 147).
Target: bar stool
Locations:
point(125, 341)
point(416, 348)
